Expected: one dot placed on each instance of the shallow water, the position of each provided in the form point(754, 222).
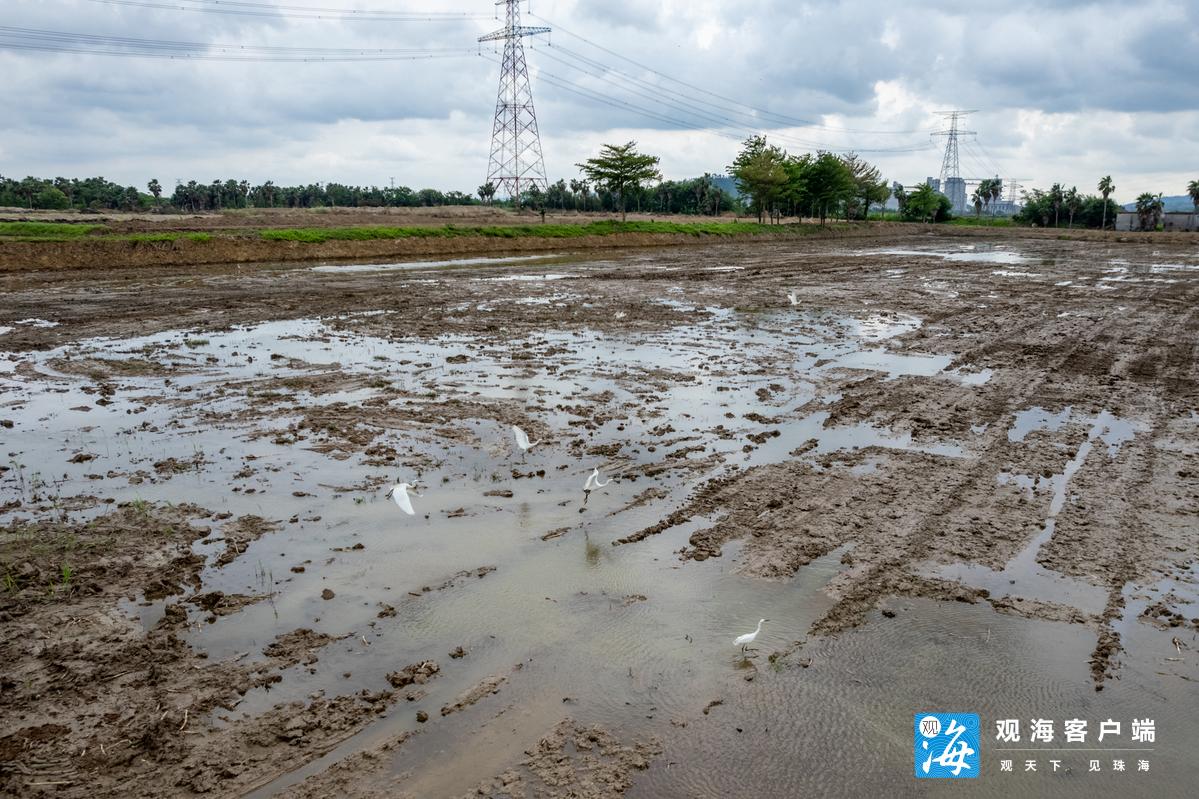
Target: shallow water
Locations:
point(568, 611)
point(418, 265)
point(968, 254)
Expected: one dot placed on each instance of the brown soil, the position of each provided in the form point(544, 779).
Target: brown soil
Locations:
point(79, 674)
point(573, 761)
point(98, 706)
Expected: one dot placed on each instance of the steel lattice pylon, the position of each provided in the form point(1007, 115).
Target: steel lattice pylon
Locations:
point(951, 165)
point(516, 159)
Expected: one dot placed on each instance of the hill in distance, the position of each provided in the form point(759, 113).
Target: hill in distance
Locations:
point(1180, 203)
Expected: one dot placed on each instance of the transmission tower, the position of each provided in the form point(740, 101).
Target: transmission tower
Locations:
point(516, 159)
point(953, 185)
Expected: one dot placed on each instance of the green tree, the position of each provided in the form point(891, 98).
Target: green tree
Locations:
point(1193, 190)
point(900, 194)
point(621, 169)
point(1149, 209)
point(978, 201)
point(1073, 201)
point(1106, 187)
point(830, 185)
point(51, 199)
point(156, 190)
point(1057, 197)
point(487, 192)
point(761, 174)
point(927, 205)
point(869, 185)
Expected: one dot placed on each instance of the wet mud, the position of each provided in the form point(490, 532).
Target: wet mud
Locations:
point(957, 460)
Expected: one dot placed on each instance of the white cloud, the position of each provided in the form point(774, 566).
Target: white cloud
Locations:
point(1068, 90)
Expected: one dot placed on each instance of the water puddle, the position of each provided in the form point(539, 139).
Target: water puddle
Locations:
point(1023, 574)
point(964, 255)
point(451, 263)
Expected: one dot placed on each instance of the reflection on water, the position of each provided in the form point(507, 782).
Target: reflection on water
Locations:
point(627, 637)
point(410, 265)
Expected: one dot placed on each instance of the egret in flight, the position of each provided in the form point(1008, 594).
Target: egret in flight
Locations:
point(745, 640)
point(399, 495)
point(522, 440)
point(593, 482)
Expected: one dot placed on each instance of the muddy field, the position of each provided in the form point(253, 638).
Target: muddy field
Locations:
point(956, 473)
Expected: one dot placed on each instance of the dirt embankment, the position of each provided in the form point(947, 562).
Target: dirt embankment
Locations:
point(17, 256)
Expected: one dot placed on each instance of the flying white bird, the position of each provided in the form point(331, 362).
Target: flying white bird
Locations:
point(593, 482)
point(794, 297)
point(747, 639)
point(522, 439)
point(399, 495)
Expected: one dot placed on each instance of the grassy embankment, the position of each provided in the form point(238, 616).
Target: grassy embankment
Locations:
point(64, 231)
point(549, 231)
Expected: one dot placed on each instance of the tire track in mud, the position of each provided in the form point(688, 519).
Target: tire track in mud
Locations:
point(889, 576)
point(1134, 549)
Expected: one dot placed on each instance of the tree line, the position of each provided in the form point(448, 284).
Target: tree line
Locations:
point(99, 194)
point(1059, 205)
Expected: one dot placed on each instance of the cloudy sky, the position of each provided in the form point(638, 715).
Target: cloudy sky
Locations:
point(1066, 90)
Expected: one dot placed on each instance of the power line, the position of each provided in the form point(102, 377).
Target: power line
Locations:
point(684, 105)
point(267, 10)
point(572, 87)
point(12, 38)
point(793, 121)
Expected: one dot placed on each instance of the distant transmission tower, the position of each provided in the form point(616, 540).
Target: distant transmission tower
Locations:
point(516, 159)
point(953, 185)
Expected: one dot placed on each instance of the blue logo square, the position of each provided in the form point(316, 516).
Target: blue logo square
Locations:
point(946, 745)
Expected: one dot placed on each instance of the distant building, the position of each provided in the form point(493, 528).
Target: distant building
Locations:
point(955, 190)
point(1173, 222)
point(1181, 221)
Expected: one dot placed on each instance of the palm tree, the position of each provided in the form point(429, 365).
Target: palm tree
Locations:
point(576, 188)
point(156, 189)
point(996, 192)
point(1073, 203)
point(1106, 187)
point(1057, 196)
point(1193, 190)
point(977, 199)
point(1149, 209)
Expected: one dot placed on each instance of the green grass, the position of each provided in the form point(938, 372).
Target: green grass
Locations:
point(159, 237)
point(45, 231)
point(321, 235)
point(974, 221)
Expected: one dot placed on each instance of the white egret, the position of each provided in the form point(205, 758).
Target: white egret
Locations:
point(593, 482)
point(794, 297)
point(522, 440)
point(747, 639)
point(399, 495)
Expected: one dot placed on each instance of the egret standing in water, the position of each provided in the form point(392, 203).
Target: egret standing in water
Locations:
point(794, 297)
point(522, 441)
point(399, 495)
point(593, 482)
point(745, 640)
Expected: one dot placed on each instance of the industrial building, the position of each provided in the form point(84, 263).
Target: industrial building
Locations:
point(1171, 222)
